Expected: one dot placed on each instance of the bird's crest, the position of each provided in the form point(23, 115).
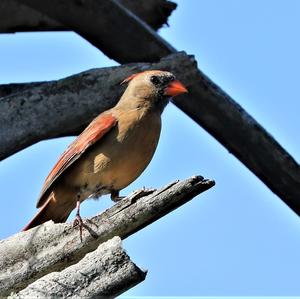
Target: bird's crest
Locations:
point(128, 79)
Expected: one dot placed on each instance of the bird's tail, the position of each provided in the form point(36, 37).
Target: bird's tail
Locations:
point(51, 210)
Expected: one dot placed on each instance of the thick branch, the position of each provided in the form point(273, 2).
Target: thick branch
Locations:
point(63, 107)
point(36, 111)
point(107, 28)
point(52, 247)
point(105, 272)
point(15, 17)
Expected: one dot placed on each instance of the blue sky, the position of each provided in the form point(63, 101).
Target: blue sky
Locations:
point(236, 239)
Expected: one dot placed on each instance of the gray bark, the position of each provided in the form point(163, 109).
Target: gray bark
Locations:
point(104, 273)
point(33, 112)
point(112, 27)
point(36, 111)
point(15, 17)
point(50, 247)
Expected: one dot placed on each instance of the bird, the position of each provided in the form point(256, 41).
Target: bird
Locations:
point(113, 150)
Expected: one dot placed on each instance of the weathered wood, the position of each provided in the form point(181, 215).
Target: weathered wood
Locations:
point(107, 31)
point(16, 17)
point(36, 111)
point(50, 247)
point(154, 12)
point(106, 272)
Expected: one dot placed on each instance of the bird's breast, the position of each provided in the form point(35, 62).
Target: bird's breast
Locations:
point(122, 155)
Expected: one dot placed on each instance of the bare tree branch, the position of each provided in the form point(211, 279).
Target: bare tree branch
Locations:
point(112, 27)
point(106, 272)
point(64, 107)
point(36, 111)
point(50, 247)
point(15, 17)
point(154, 12)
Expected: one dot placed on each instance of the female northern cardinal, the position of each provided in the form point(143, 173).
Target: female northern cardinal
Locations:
point(112, 151)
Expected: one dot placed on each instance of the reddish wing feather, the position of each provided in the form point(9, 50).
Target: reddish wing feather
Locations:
point(94, 132)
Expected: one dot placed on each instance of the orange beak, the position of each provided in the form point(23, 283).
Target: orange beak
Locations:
point(175, 88)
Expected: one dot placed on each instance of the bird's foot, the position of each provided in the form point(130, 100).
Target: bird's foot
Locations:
point(114, 195)
point(118, 198)
point(78, 220)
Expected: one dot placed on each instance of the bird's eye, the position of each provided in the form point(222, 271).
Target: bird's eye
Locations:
point(172, 78)
point(155, 80)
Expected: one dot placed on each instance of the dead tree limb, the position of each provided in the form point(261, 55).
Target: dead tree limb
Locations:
point(50, 247)
point(15, 17)
point(36, 111)
point(106, 272)
point(33, 112)
point(107, 31)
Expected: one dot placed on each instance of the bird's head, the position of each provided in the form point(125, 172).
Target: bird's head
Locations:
point(153, 88)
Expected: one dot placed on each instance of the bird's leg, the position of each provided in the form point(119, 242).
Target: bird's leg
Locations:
point(78, 220)
point(114, 195)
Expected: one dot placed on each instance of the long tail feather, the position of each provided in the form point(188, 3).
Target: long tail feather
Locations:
point(51, 210)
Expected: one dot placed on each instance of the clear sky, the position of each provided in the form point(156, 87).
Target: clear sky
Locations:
point(237, 238)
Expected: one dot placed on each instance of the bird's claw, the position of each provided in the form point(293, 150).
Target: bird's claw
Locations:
point(78, 222)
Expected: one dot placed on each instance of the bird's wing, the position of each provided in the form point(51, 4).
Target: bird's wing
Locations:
point(93, 133)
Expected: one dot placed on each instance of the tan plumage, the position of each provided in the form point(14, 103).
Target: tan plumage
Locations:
point(112, 151)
